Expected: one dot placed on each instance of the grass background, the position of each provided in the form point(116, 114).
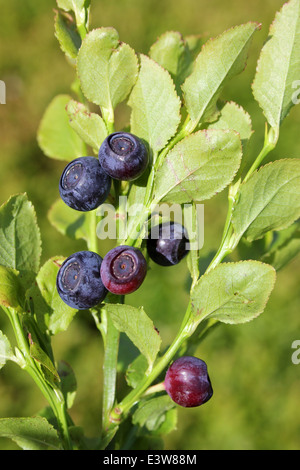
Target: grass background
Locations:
point(256, 385)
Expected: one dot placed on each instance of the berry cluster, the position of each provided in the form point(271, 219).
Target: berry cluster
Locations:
point(85, 278)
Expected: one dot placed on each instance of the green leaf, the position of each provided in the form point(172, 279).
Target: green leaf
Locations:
point(195, 43)
point(30, 433)
point(173, 53)
point(154, 104)
point(6, 352)
point(199, 166)
point(279, 65)
point(55, 136)
point(192, 225)
point(107, 69)
point(39, 355)
point(269, 200)
point(68, 382)
point(285, 248)
point(68, 5)
point(20, 241)
point(136, 371)
point(151, 412)
point(11, 293)
point(66, 34)
point(218, 62)
point(169, 423)
point(139, 328)
point(233, 292)
point(232, 116)
point(89, 126)
point(51, 312)
point(74, 224)
point(79, 7)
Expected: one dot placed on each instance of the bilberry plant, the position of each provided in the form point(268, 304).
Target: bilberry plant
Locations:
point(183, 145)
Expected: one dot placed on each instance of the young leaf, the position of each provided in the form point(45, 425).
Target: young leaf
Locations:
point(107, 69)
point(173, 53)
point(51, 312)
point(233, 116)
point(79, 7)
point(74, 224)
point(285, 248)
point(269, 200)
point(89, 126)
point(20, 241)
point(66, 34)
point(233, 292)
point(199, 166)
point(155, 105)
point(68, 382)
point(6, 352)
point(136, 371)
point(55, 136)
point(279, 65)
point(195, 42)
point(219, 60)
point(37, 353)
point(151, 412)
point(11, 293)
point(30, 433)
point(136, 324)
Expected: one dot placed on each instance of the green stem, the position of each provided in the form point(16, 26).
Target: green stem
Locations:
point(92, 242)
point(271, 138)
point(82, 30)
point(109, 370)
point(125, 405)
point(229, 240)
point(108, 117)
point(54, 397)
point(137, 224)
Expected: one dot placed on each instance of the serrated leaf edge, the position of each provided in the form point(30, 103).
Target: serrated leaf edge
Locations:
point(282, 227)
point(205, 131)
point(221, 265)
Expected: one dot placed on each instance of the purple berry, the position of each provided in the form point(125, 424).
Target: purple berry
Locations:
point(168, 243)
point(83, 184)
point(123, 270)
point(78, 280)
point(187, 382)
point(123, 156)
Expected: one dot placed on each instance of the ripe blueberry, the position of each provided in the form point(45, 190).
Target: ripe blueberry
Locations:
point(83, 184)
point(123, 270)
point(79, 282)
point(123, 156)
point(187, 382)
point(167, 243)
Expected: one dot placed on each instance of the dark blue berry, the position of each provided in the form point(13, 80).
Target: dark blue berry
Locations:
point(123, 156)
point(168, 243)
point(79, 282)
point(187, 382)
point(83, 184)
point(123, 270)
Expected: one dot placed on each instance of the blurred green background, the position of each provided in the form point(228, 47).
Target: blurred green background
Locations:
point(256, 385)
